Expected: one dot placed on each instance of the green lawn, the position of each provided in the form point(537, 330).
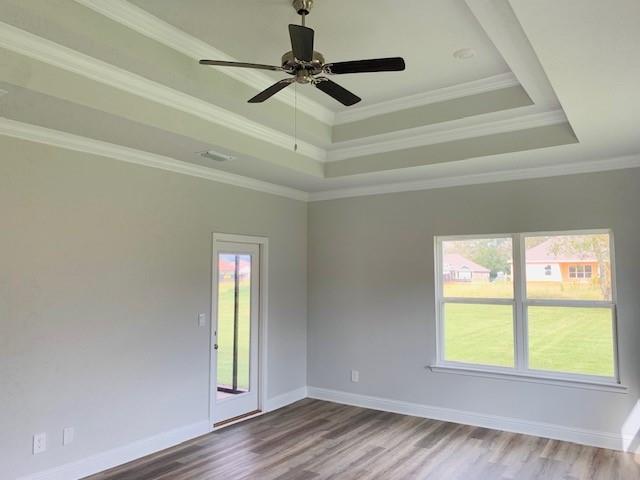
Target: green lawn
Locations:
point(575, 340)
point(225, 334)
point(479, 334)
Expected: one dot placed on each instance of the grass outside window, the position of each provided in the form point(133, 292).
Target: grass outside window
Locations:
point(481, 334)
point(225, 333)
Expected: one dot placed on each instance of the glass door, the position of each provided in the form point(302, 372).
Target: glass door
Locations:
point(236, 330)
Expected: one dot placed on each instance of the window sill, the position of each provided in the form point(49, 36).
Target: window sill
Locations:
point(603, 386)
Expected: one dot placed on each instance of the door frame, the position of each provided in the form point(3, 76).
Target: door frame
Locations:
point(263, 315)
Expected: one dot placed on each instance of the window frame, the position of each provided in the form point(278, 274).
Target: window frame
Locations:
point(521, 304)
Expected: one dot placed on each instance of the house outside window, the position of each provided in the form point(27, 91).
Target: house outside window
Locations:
point(538, 304)
point(458, 268)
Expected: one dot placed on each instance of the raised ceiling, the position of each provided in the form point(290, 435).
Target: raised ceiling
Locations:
point(550, 91)
point(425, 33)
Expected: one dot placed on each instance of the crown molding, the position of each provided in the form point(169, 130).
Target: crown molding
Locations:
point(56, 138)
point(475, 87)
point(617, 163)
point(152, 27)
point(470, 127)
point(44, 50)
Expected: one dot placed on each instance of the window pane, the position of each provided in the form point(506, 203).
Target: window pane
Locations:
point(570, 267)
point(234, 322)
point(571, 340)
point(481, 334)
point(244, 322)
point(478, 268)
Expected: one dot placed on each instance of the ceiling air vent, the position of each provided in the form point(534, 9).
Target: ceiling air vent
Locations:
point(217, 156)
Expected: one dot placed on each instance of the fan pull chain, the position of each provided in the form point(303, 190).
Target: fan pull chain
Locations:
point(295, 116)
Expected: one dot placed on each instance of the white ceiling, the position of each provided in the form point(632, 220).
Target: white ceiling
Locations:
point(424, 32)
point(589, 50)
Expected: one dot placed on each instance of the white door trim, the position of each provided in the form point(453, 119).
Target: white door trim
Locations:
point(263, 314)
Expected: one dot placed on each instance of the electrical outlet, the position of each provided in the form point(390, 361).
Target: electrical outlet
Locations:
point(67, 435)
point(355, 376)
point(39, 443)
point(202, 319)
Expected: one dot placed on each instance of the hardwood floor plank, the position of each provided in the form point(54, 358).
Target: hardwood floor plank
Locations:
point(316, 440)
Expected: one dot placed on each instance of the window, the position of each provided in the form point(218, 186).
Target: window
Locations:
point(580, 271)
point(539, 304)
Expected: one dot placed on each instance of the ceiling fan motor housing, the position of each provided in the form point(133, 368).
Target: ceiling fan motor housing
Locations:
point(308, 66)
point(303, 71)
point(303, 7)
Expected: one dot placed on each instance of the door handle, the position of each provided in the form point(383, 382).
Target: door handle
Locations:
point(215, 346)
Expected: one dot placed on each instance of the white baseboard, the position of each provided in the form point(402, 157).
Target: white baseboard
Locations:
point(545, 430)
point(133, 451)
point(286, 399)
point(118, 456)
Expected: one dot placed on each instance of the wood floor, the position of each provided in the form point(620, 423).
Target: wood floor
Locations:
point(319, 440)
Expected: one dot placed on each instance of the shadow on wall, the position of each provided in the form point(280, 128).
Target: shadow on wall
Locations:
point(631, 430)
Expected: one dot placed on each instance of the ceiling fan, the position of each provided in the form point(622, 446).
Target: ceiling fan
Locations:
point(308, 66)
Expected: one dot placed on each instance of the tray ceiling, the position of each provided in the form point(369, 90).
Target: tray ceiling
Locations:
point(122, 76)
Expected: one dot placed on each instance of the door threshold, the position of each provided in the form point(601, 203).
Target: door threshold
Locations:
point(239, 418)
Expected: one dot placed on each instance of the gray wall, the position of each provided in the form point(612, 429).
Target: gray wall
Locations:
point(104, 267)
point(371, 292)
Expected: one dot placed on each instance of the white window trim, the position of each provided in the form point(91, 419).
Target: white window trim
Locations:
point(520, 303)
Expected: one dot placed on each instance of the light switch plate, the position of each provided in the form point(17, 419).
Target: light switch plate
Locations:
point(202, 319)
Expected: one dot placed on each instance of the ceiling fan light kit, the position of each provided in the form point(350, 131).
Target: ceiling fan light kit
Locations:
point(306, 66)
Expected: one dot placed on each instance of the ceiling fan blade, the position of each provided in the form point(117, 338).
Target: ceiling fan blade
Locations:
point(271, 91)
point(301, 42)
point(334, 90)
point(394, 64)
point(222, 63)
